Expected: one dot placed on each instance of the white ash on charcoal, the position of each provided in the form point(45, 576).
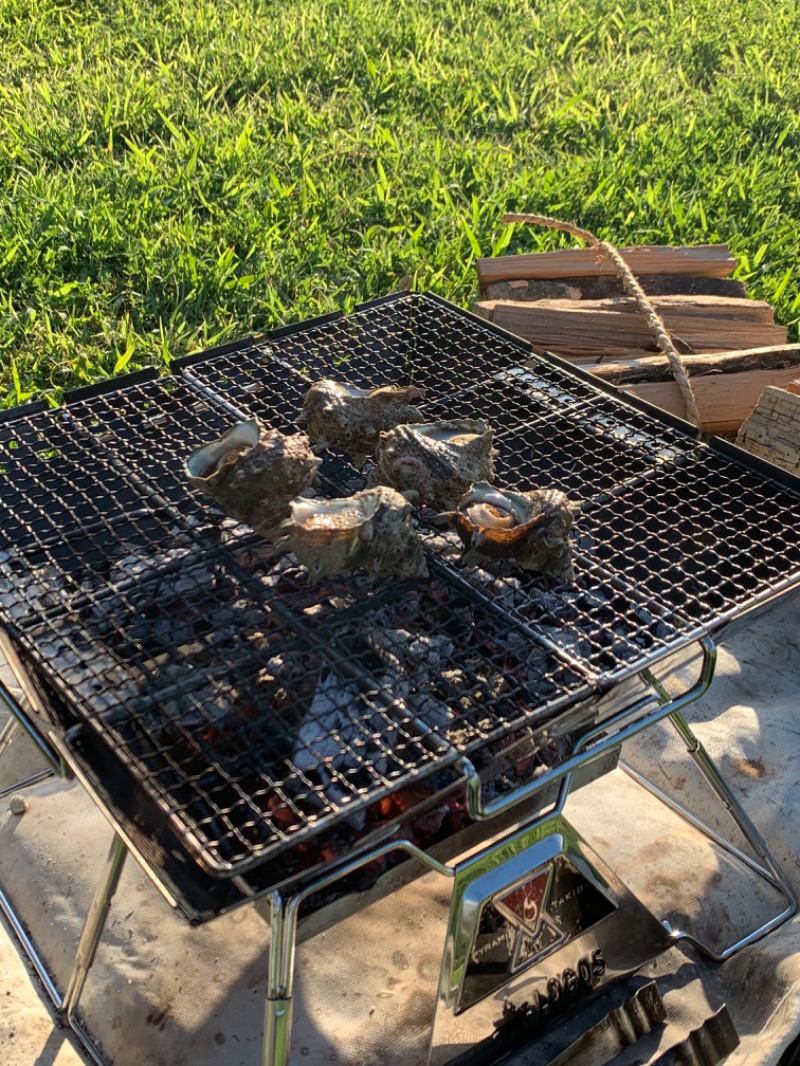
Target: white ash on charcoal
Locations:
point(338, 796)
point(421, 652)
point(419, 697)
point(44, 586)
point(287, 685)
point(134, 559)
point(193, 711)
point(416, 661)
point(330, 733)
point(272, 567)
point(430, 710)
point(134, 567)
point(504, 589)
point(337, 736)
point(421, 674)
point(466, 678)
point(433, 610)
point(571, 641)
point(98, 681)
point(588, 621)
point(253, 717)
point(190, 611)
point(581, 619)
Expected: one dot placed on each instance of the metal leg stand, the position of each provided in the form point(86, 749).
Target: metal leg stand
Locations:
point(283, 919)
point(7, 734)
point(278, 1021)
point(765, 867)
point(90, 939)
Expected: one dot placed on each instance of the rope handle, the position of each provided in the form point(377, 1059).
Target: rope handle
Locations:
point(634, 289)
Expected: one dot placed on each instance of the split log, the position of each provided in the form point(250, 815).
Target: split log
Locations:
point(656, 368)
point(602, 287)
point(705, 260)
point(586, 327)
point(772, 430)
point(615, 356)
point(723, 400)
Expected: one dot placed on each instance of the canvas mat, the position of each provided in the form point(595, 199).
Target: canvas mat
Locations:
point(163, 993)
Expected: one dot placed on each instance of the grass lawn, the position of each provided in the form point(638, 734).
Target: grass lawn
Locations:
point(178, 172)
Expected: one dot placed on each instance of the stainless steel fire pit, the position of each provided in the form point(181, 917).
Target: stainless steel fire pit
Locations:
point(250, 736)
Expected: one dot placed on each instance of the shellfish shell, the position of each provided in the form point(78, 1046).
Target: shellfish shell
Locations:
point(532, 528)
point(434, 463)
point(370, 530)
point(352, 419)
point(254, 473)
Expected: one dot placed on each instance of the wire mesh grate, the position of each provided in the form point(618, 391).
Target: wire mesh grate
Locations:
point(257, 710)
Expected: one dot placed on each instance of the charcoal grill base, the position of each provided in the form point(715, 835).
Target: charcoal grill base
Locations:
point(284, 909)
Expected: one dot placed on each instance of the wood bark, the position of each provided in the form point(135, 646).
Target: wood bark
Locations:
point(723, 401)
point(706, 260)
point(602, 287)
point(591, 327)
point(656, 368)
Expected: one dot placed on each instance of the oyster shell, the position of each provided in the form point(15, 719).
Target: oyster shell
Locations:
point(435, 462)
point(530, 527)
point(370, 530)
point(254, 473)
point(352, 419)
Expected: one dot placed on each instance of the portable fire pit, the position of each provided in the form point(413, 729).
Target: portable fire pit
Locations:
point(249, 735)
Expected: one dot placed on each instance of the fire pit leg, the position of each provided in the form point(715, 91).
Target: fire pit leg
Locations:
point(18, 720)
point(278, 1020)
point(93, 930)
point(7, 734)
point(764, 866)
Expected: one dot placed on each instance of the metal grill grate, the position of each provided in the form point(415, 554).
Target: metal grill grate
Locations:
point(257, 711)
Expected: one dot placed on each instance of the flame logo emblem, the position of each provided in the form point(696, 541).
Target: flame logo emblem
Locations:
point(523, 905)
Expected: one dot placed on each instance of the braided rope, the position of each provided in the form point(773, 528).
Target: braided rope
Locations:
point(633, 289)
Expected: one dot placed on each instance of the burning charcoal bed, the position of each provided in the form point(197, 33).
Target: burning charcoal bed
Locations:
point(249, 732)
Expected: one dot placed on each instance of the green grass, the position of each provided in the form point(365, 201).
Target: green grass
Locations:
point(178, 173)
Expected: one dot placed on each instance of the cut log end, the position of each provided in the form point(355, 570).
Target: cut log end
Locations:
point(772, 429)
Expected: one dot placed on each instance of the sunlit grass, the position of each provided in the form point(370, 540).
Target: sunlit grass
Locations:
point(175, 174)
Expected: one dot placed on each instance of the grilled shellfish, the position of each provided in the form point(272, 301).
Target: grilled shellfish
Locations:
point(254, 473)
point(353, 419)
point(434, 463)
point(370, 530)
point(531, 528)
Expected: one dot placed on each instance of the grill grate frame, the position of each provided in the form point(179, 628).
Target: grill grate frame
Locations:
point(157, 621)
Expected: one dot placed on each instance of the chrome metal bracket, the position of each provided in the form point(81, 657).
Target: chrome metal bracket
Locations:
point(538, 919)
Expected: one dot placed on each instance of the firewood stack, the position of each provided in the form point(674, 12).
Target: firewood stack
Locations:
point(571, 303)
